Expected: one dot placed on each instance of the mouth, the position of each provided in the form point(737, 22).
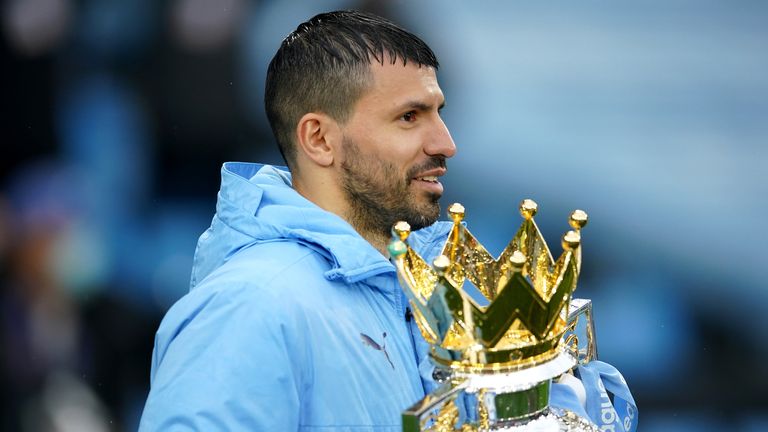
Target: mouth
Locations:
point(430, 181)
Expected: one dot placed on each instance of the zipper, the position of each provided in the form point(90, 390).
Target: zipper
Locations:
point(409, 325)
point(403, 310)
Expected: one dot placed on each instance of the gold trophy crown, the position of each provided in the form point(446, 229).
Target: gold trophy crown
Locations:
point(528, 294)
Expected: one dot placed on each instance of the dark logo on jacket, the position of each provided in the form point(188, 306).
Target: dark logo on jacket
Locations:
point(367, 340)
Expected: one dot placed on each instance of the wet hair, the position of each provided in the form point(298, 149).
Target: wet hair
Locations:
point(324, 66)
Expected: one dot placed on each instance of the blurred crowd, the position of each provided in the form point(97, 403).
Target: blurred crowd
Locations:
point(118, 114)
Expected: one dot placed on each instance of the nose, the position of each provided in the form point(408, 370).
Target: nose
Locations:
point(439, 142)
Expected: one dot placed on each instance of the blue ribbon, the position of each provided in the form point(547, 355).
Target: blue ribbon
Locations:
point(599, 379)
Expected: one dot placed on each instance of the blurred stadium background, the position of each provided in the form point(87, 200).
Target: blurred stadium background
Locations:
point(652, 116)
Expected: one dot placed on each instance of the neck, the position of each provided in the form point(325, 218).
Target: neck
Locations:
point(378, 240)
point(324, 198)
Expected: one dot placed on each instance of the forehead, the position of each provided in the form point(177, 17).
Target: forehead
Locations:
point(392, 85)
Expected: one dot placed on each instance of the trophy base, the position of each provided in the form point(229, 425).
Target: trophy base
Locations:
point(551, 420)
point(517, 401)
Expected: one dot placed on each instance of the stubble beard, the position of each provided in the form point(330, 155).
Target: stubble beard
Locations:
point(378, 196)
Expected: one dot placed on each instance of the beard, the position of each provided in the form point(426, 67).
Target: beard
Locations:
point(379, 196)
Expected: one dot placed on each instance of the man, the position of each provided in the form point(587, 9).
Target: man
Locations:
point(295, 319)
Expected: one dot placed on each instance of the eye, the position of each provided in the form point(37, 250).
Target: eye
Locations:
point(409, 117)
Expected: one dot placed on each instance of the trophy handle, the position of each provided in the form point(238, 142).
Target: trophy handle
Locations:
point(580, 331)
point(436, 409)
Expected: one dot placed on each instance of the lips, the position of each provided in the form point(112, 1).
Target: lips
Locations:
point(431, 175)
point(429, 181)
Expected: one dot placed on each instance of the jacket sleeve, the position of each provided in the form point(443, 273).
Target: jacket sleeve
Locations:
point(222, 363)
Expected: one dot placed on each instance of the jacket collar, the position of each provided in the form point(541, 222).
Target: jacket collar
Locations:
point(259, 201)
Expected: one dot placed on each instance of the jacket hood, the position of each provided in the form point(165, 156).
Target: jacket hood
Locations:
point(256, 203)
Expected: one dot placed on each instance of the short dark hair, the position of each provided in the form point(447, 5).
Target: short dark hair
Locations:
point(324, 66)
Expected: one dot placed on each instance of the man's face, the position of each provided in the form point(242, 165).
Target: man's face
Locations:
point(394, 149)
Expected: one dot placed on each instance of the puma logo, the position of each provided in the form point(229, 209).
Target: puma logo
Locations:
point(367, 340)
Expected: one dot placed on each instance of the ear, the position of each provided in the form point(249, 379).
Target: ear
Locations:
point(317, 135)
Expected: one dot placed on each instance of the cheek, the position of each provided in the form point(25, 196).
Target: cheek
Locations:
point(403, 151)
point(395, 149)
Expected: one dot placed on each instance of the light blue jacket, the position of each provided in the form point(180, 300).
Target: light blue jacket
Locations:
point(293, 322)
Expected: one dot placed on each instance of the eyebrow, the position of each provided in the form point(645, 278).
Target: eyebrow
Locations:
point(420, 106)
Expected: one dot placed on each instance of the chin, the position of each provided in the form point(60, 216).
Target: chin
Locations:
point(424, 216)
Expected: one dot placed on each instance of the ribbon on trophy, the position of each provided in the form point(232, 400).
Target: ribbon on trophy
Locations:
point(599, 379)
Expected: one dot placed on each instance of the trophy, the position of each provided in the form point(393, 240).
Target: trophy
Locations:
point(498, 358)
